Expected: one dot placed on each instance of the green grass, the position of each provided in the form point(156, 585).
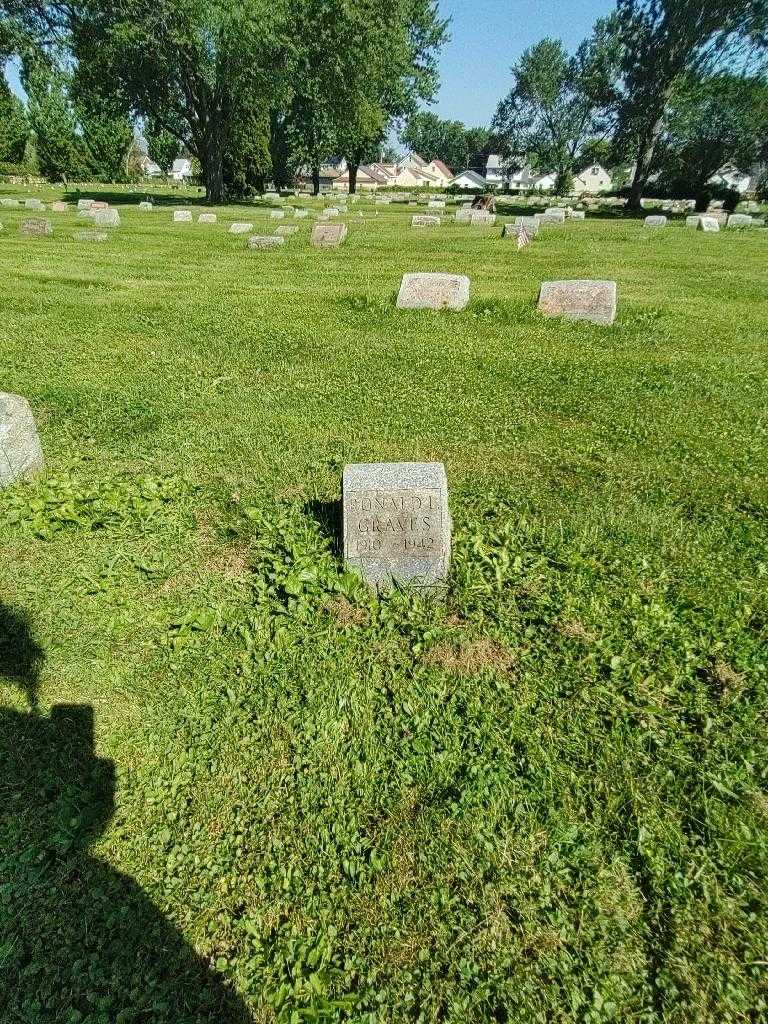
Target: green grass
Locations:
point(273, 798)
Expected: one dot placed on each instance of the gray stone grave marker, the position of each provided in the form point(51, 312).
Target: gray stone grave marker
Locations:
point(59, 207)
point(90, 236)
point(397, 526)
point(482, 218)
point(35, 227)
point(265, 241)
point(424, 220)
point(146, 206)
point(708, 224)
point(182, 216)
point(207, 218)
point(240, 227)
point(286, 229)
point(433, 291)
point(20, 451)
point(328, 235)
point(740, 220)
point(655, 222)
point(595, 301)
point(107, 219)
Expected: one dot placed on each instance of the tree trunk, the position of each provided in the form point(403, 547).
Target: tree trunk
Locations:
point(352, 168)
point(645, 153)
point(213, 169)
point(316, 181)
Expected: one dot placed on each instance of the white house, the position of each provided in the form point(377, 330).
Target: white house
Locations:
point(468, 179)
point(148, 166)
point(495, 172)
point(437, 169)
point(524, 180)
point(182, 169)
point(731, 177)
point(594, 178)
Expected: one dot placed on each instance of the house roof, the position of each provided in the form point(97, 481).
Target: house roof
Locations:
point(474, 177)
point(182, 164)
point(493, 162)
point(365, 171)
point(416, 159)
point(443, 168)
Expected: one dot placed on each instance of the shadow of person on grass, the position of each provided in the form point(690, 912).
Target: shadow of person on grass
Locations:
point(80, 943)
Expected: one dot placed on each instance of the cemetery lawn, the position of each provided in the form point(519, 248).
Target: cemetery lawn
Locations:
point(269, 797)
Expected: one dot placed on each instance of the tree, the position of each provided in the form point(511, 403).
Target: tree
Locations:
point(663, 42)
point(14, 125)
point(560, 102)
point(163, 146)
point(711, 122)
point(191, 67)
point(450, 141)
point(58, 143)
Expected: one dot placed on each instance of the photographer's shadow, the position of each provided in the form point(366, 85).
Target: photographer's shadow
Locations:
point(78, 940)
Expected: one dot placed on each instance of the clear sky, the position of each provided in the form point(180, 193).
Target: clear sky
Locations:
point(487, 37)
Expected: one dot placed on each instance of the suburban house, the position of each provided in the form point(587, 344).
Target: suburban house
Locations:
point(495, 171)
point(369, 178)
point(328, 176)
point(412, 173)
point(148, 167)
point(525, 179)
point(592, 179)
point(469, 179)
point(181, 170)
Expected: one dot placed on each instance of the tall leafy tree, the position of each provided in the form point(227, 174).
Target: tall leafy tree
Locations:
point(435, 138)
point(663, 41)
point(559, 102)
point(58, 141)
point(190, 65)
point(14, 125)
point(712, 122)
point(163, 146)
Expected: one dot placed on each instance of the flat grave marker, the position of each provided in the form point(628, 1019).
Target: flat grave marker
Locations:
point(433, 291)
point(240, 227)
point(328, 235)
point(424, 220)
point(397, 526)
point(35, 227)
point(595, 301)
point(265, 241)
point(182, 216)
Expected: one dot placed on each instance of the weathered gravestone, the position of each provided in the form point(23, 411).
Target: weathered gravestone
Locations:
point(34, 204)
point(107, 219)
point(146, 207)
point(436, 204)
point(424, 220)
point(20, 451)
point(35, 227)
point(595, 301)
point(330, 211)
point(273, 196)
point(265, 241)
point(708, 224)
point(655, 222)
point(693, 221)
point(433, 291)
point(397, 527)
point(207, 218)
point(463, 216)
point(300, 213)
point(555, 215)
point(8, 201)
point(577, 215)
point(240, 227)
point(519, 232)
point(531, 225)
point(740, 220)
point(90, 236)
point(84, 204)
point(277, 214)
point(182, 216)
point(99, 205)
point(328, 235)
point(482, 218)
point(287, 229)
point(59, 207)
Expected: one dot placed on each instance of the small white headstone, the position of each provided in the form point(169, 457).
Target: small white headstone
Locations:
point(107, 218)
point(265, 241)
point(182, 216)
point(424, 221)
point(708, 224)
point(207, 218)
point(240, 228)
point(656, 222)
point(595, 301)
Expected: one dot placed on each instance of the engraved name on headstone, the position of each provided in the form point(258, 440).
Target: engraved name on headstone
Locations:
point(35, 227)
point(397, 527)
point(328, 235)
point(423, 220)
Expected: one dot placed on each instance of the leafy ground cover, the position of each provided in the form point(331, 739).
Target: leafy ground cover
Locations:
point(234, 786)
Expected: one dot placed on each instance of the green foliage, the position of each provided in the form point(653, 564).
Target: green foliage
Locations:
point(543, 799)
point(162, 146)
point(710, 123)
point(559, 103)
point(14, 126)
point(664, 42)
point(60, 152)
point(452, 142)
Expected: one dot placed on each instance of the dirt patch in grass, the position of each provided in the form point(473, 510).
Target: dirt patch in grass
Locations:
point(471, 658)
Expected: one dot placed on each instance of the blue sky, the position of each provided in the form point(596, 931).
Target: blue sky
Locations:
point(487, 37)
